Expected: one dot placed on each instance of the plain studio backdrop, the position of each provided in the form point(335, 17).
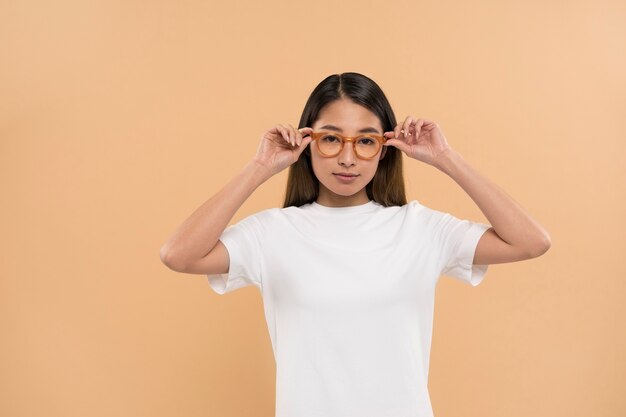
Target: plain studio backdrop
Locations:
point(119, 118)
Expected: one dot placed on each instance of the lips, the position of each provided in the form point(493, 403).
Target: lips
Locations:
point(345, 174)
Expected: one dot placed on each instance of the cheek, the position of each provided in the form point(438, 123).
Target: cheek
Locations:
point(318, 166)
point(371, 173)
point(318, 162)
point(372, 167)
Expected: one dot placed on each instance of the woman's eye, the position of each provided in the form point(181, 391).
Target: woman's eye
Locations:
point(330, 138)
point(366, 141)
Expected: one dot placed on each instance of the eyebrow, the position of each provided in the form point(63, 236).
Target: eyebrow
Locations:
point(364, 130)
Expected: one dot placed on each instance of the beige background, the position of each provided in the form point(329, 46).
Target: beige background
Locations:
point(119, 118)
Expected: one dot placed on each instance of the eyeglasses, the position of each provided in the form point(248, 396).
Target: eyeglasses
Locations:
point(331, 144)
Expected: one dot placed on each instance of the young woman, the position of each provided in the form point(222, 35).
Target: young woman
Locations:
point(347, 268)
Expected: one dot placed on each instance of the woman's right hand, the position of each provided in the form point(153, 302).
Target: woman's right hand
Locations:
point(281, 146)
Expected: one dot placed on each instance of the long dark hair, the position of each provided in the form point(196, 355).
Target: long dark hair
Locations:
point(387, 186)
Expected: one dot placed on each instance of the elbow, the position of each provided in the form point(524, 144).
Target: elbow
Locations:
point(169, 260)
point(542, 247)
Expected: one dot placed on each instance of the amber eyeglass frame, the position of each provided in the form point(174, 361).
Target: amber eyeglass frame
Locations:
point(316, 136)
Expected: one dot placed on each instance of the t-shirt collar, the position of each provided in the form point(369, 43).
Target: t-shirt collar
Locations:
point(361, 208)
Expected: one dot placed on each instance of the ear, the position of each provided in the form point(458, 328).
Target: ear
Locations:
point(382, 154)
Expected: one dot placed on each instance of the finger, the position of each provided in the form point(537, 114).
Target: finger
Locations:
point(283, 132)
point(418, 126)
point(396, 143)
point(294, 134)
point(305, 133)
point(290, 133)
point(297, 136)
point(306, 130)
point(396, 130)
point(302, 132)
point(305, 142)
point(414, 130)
point(290, 137)
point(407, 125)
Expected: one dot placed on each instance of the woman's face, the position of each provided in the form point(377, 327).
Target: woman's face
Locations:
point(348, 118)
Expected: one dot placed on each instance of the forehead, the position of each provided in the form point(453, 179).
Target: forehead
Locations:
point(348, 116)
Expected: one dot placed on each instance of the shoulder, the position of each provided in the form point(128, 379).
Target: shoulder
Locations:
point(273, 215)
point(428, 217)
point(415, 206)
point(407, 214)
point(411, 208)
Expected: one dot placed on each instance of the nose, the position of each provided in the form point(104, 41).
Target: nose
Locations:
point(347, 157)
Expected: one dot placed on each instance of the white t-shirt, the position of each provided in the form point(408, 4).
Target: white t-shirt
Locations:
point(348, 295)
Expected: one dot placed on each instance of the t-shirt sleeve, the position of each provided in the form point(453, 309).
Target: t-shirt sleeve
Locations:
point(458, 239)
point(243, 242)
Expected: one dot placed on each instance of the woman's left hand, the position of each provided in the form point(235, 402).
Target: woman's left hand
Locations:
point(420, 139)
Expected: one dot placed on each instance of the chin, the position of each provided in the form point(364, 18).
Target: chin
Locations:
point(344, 190)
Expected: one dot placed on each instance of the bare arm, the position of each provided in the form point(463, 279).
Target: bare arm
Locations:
point(188, 249)
point(197, 236)
point(515, 235)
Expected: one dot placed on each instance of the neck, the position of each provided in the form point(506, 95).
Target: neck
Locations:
point(326, 198)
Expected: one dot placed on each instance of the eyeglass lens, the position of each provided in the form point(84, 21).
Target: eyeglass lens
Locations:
point(365, 146)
